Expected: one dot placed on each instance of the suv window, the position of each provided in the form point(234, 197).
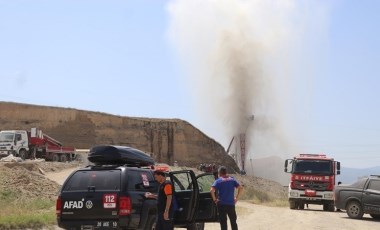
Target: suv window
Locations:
point(205, 182)
point(95, 180)
point(182, 182)
point(375, 185)
point(140, 180)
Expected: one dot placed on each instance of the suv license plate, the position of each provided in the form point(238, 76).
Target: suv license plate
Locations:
point(86, 227)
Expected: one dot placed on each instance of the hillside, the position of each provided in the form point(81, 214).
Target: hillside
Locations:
point(167, 140)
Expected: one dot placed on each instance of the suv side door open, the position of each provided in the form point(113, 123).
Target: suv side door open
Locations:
point(193, 196)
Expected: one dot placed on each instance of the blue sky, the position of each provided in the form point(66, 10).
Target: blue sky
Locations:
point(145, 58)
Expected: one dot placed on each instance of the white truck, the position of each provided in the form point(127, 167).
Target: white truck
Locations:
point(33, 144)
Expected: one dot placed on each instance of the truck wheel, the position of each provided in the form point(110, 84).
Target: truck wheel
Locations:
point(331, 207)
point(292, 204)
point(196, 226)
point(354, 210)
point(63, 158)
point(55, 157)
point(22, 154)
point(151, 224)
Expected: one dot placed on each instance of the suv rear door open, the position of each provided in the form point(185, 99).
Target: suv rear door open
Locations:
point(193, 196)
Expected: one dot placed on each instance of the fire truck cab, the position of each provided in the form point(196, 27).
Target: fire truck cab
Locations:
point(312, 180)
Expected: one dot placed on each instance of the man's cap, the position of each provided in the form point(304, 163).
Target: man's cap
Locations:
point(159, 172)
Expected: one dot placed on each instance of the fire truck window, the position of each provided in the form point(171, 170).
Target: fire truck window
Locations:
point(313, 166)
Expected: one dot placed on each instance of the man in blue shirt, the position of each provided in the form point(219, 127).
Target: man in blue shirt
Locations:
point(225, 187)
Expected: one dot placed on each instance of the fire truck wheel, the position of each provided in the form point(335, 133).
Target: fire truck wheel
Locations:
point(292, 204)
point(55, 157)
point(331, 207)
point(63, 158)
point(354, 210)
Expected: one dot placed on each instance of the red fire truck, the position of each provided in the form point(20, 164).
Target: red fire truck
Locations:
point(33, 144)
point(312, 180)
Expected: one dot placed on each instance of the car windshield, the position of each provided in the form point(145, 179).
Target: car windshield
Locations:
point(360, 182)
point(6, 137)
point(312, 167)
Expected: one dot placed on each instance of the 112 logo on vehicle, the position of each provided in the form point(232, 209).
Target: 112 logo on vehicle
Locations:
point(109, 200)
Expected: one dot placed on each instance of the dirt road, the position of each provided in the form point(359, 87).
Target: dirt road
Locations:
point(258, 217)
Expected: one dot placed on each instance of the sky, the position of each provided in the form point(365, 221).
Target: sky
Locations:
point(305, 69)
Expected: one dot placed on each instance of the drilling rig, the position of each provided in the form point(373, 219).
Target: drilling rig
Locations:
point(239, 153)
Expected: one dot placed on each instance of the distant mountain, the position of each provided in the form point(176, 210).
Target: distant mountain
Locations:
point(349, 175)
point(271, 168)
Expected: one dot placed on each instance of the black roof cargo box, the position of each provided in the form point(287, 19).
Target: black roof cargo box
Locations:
point(110, 154)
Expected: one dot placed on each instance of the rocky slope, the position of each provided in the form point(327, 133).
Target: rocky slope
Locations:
point(167, 140)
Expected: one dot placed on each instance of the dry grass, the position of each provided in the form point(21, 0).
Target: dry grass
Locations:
point(20, 212)
point(258, 197)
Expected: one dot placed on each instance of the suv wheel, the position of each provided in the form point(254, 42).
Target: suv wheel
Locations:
point(354, 210)
point(196, 226)
point(151, 224)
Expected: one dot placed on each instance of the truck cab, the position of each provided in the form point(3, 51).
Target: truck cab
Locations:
point(312, 180)
point(14, 142)
point(33, 144)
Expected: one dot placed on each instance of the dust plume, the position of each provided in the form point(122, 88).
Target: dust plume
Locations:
point(242, 58)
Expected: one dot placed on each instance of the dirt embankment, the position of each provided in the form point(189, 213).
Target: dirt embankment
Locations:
point(28, 179)
point(167, 140)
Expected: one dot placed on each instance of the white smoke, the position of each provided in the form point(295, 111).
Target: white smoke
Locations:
point(243, 58)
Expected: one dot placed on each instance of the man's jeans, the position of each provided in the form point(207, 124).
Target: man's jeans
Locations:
point(224, 211)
